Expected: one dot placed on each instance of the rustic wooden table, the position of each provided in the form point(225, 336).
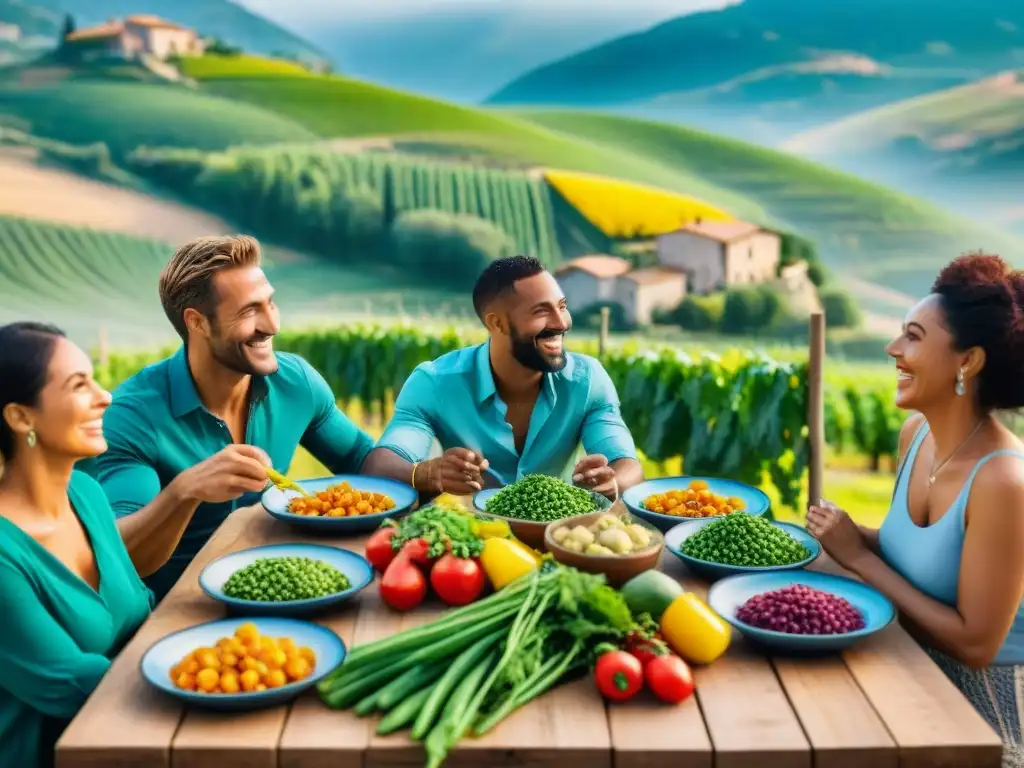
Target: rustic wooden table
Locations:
point(885, 703)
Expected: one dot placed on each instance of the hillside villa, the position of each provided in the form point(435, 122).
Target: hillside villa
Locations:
point(699, 257)
point(136, 35)
point(721, 254)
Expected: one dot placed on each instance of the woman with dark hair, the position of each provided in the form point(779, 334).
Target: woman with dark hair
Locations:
point(950, 552)
point(69, 592)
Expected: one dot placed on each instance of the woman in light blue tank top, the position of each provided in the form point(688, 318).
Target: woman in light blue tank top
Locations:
point(950, 552)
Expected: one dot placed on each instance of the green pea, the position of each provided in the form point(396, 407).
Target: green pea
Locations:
point(743, 540)
point(276, 579)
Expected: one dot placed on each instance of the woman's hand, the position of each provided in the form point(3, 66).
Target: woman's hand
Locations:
point(839, 535)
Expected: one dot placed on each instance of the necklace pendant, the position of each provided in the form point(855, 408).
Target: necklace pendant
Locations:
point(931, 480)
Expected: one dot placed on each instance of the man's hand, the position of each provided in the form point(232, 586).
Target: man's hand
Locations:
point(229, 473)
point(596, 474)
point(457, 471)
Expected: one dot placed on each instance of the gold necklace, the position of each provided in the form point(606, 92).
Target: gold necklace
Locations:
point(936, 470)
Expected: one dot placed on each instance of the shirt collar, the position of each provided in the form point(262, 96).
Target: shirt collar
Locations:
point(485, 387)
point(184, 397)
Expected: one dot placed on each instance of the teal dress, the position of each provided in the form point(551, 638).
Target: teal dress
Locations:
point(929, 558)
point(58, 635)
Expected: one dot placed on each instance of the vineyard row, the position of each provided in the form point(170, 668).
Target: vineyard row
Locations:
point(743, 415)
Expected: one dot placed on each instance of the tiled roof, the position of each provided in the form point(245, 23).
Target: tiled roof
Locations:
point(655, 276)
point(721, 231)
point(597, 265)
point(110, 29)
point(149, 20)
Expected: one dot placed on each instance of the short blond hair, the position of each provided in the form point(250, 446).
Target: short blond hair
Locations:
point(187, 280)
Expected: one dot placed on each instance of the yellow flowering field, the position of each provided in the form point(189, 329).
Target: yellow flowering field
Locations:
point(622, 209)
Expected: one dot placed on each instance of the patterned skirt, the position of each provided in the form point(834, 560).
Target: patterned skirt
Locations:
point(997, 693)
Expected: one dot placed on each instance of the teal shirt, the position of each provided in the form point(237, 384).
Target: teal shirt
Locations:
point(157, 427)
point(58, 635)
point(453, 400)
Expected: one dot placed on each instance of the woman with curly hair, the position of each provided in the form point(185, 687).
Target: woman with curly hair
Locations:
point(950, 552)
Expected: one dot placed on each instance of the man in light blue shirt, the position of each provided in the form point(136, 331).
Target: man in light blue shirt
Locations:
point(517, 404)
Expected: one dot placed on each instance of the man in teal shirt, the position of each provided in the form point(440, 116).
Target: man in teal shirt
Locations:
point(518, 404)
point(225, 388)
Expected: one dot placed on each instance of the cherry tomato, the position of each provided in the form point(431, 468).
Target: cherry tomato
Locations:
point(646, 649)
point(378, 548)
point(619, 675)
point(457, 580)
point(669, 678)
point(403, 586)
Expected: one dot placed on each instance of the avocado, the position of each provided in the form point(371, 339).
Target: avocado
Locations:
point(650, 592)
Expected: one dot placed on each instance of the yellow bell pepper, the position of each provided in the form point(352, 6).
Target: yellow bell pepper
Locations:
point(491, 529)
point(505, 560)
point(694, 630)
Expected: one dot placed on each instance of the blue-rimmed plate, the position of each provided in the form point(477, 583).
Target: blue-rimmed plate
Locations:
point(675, 537)
point(276, 502)
point(755, 500)
point(165, 654)
point(727, 595)
point(355, 567)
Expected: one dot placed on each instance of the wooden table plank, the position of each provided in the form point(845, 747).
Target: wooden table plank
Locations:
point(749, 719)
point(931, 721)
point(647, 733)
point(315, 736)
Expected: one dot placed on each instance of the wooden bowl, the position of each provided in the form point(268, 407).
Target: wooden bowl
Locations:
point(618, 569)
point(527, 531)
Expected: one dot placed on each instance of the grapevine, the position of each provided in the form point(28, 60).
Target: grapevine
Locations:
point(741, 420)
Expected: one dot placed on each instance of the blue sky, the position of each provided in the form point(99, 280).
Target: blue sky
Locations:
point(298, 10)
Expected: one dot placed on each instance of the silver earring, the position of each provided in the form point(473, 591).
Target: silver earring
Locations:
point(959, 388)
point(31, 438)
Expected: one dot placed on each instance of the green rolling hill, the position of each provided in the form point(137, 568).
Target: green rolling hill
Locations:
point(862, 229)
point(963, 147)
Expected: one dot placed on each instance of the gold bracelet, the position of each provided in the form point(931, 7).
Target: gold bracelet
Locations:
point(412, 480)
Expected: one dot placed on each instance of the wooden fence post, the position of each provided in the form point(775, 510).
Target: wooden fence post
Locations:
point(816, 409)
point(602, 340)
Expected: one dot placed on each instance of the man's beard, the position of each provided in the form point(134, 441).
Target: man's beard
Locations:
point(231, 355)
point(528, 354)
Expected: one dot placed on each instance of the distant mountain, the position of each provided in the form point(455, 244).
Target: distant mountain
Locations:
point(214, 18)
point(793, 62)
point(463, 51)
point(963, 146)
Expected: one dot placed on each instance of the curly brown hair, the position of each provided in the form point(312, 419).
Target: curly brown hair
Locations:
point(982, 299)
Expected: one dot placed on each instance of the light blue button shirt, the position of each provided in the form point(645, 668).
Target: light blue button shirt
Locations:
point(453, 401)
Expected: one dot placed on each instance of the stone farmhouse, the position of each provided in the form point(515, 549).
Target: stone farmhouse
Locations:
point(135, 36)
point(700, 257)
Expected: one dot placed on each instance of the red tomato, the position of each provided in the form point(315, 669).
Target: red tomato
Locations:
point(378, 548)
point(418, 551)
point(403, 586)
point(646, 650)
point(619, 675)
point(457, 580)
point(669, 678)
